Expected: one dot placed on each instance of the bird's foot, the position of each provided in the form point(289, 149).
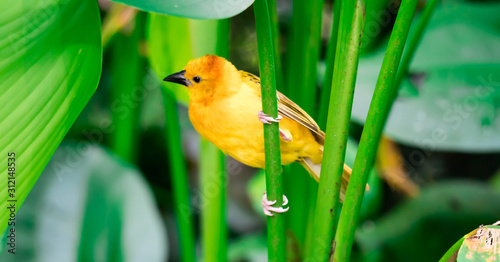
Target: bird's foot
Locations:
point(264, 118)
point(267, 205)
point(285, 135)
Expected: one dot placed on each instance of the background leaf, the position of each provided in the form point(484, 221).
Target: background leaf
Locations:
point(451, 100)
point(440, 215)
point(83, 184)
point(199, 9)
point(481, 246)
point(50, 55)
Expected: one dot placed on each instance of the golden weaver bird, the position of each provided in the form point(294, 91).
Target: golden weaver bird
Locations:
point(225, 107)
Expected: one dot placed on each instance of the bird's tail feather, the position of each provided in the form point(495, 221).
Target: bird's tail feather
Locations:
point(315, 170)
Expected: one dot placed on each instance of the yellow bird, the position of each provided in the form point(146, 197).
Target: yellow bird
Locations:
point(225, 107)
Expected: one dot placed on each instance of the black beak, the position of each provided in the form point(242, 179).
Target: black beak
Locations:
point(178, 78)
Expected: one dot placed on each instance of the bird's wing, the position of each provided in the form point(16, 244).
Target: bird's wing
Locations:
point(288, 108)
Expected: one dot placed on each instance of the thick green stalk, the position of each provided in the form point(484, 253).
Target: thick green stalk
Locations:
point(385, 91)
point(322, 116)
point(304, 54)
point(178, 173)
point(213, 180)
point(379, 15)
point(274, 184)
point(346, 64)
point(125, 103)
point(305, 42)
point(273, 14)
point(326, 87)
point(414, 41)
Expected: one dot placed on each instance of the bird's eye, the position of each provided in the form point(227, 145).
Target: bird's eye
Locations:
point(196, 79)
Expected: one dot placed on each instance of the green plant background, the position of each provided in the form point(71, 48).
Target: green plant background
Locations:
point(132, 180)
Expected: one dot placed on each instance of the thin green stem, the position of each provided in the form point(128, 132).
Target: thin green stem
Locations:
point(222, 45)
point(304, 53)
point(385, 90)
point(308, 245)
point(326, 88)
point(213, 192)
point(414, 40)
point(178, 173)
point(346, 64)
point(305, 42)
point(274, 184)
point(213, 180)
point(126, 77)
point(296, 187)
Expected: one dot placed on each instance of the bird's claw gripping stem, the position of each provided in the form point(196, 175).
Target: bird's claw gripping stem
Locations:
point(267, 205)
point(264, 118)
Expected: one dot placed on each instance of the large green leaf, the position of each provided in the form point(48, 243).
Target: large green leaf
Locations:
point(198, 9)
point(50, 63)
point(453, 98)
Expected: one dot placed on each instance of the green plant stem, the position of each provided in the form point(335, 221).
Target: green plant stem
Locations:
point(304, 54)
point(274, 185)
point(308, 245)
point(305, 44)
point(178, 173)
point(322, 116)
point(213, 193)
point(94, 226)
point(296, 187)
point(326, 87)
point(213, 180)
point(273, 14)
point(346, 64)
point(385, 90)
point(126, 78)
point(414, 40)
point(375, 26)
point(222, 45)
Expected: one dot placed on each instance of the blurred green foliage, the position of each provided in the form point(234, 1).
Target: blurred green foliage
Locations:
point(98, 204)
point(450, 99)
point(89, 205)
point(440, 215)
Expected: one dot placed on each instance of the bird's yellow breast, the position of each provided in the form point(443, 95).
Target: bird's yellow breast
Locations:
point(231, 124)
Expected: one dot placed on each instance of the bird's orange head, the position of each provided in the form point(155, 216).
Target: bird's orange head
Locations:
point(207, 78)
